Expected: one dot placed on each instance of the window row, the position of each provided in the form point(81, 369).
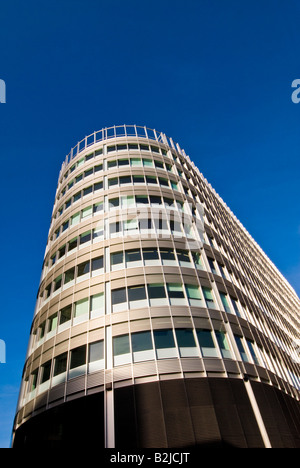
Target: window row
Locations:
point(73, 275)
point(129, 298)
point(117, 181)
point(106, 165)
point(157, 221)
point(138, 347)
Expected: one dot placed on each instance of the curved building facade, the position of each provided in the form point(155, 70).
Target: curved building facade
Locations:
point(159, 321)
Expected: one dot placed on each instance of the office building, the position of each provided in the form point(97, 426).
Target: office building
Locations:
point(159, 320)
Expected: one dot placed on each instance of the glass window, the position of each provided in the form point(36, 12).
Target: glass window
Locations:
point(138, 179)
point(69, 275)
point(137, 296)
point(98, 186)
point(164, 344)
point(176, 294)
point(62, 251)
point(72, 244)
point(52, 324)
point(114, 228)
point(111, 164)
point(97, 305)
point(99, 168)
point(114, 203)
point(151, 180)
point(57, 283)
point(150, 256)
point(136, 161)
point(252, 352)
point(34, 377)
point(123, 162)
point(124, 180)
point(96, 356)
point(121, 350)
point(81, 310)
point(98, 207)
point(212, 266)
point(206, 343)
point(46, 371)
point(85, 237)
point(235, 306)
point(116, 260)
point(60, 364)
point(118, 299)
point(65, 314)
point(86, 212)
point(157, 295)
point(186, 343)
point(78, 361)
point(155, 200)
point(223, 344)
point(83, 268)
point(183, 257)
point(112, 182)
point(159, 164)
point(98, 232)
point(134, 257)
point(225, 302)
point(148, 163)
point(87, 190)
point(141, 200)
point(97, 264)
point(163, 182)
point(208, 295)
point(130, 225)
point(167, 256)
point(241, 348)
point(142, 346)
point(194, 295)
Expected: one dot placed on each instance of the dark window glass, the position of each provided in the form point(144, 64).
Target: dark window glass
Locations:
point(118, 296)
point(116, 258)
point(83, 268)
point(60, 364)
point(150, 254)
point(133, 146)
point(156, 291)
point(99, 168)
point(114, 202)
point(96, 351)
point(69, 275)
point(112, 182)
point(125, 180)
point(159, 164)
point(87, 190)
point(78, 357)
point(136, 293)
point(185, 338)
point(65, 314)
point(97, 263)
point(98, 186)
point(114, 227)
point(141, 341)
point(133, 255)
point(138, 179)
point(155, 200)
point(151, 180)
point(77, 196)
point(141, 199)
point(86, 237)
point(46, 370)
point(111, 164)
point(72, 244)
point(167, 254)
point(123, 162)
point(164, 339)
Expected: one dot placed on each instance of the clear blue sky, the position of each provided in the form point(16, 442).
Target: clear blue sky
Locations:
point(214, 75)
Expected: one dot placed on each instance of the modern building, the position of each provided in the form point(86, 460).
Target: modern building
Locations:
point(159, 321)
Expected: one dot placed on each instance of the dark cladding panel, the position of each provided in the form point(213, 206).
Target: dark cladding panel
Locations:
point(246, 415)
point(177, 414)
point(149, 414)
point(227, 413)
point(203, 415)
point(125, 417)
